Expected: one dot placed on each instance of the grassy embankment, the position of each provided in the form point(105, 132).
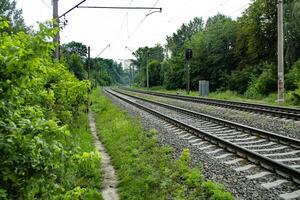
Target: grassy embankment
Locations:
point(230, 95)
point(145, 169)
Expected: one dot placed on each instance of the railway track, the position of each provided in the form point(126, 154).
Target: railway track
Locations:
point(277, 111)
point(271, 151)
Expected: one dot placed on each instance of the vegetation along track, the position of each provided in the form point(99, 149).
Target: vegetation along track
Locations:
point(278, 111)
point(274, 152)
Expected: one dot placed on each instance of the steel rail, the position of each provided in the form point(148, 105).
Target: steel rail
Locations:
point(279, 111)
point(248, 129)
point(267, 163)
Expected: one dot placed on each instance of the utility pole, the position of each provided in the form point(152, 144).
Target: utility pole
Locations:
point(147, 69)
point(130, 74)
point(280, 53)
point(88, 89)
point(56, 39)
point(126, 47)
point(188, 78)
point(95, 62)
point(89, 62)
point(188, 57)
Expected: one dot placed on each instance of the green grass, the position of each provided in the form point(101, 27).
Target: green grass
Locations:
point(233, 96)
point(89, 176)
point(145, 169)
point(82, 134)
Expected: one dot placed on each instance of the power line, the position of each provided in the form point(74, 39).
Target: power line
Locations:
point(119, 7)
point(46, 5)
point(104, 49)
point(126, 16)
point(141, 22)
point(242, 7)
point(219, 6)
point(179, 11)
point(207, 13)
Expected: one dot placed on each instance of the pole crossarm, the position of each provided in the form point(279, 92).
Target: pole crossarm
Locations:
point(76, 6)
point(122, 7)
point(126, 47)
point(107, 46)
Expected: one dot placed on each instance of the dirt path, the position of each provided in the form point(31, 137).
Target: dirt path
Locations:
point(110, 182)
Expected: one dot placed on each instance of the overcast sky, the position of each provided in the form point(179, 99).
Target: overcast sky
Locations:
point(97, 27)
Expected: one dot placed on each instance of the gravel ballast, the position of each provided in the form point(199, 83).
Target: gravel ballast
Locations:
point(214, 169)
point(280, 126)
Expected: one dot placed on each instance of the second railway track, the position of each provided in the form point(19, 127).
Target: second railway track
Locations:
point(277, 111)
point(271, 151)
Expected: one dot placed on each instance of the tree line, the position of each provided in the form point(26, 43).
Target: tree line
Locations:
point(238, 55)
point(102, 71)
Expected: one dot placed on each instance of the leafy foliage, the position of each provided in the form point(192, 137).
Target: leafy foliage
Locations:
point(265, 83)
point(39, 101)
point(9, 12)
point(151, 57)
point(106, 72)
point(240, 80)
point(102, 71)
point(232, 54)
point(75, 48)
point(293, 81)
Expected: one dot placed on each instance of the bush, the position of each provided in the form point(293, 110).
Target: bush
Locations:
point(293, 82)
point(239, 81)
point(39, 100)
point(155, 74)
point(264, 84)
point(292, 78)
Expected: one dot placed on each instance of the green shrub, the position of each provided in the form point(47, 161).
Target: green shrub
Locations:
point(293, 82)
point(39, 101)
point(264, 84)
point(239, 81)
point(292, 78)
point(215, 191)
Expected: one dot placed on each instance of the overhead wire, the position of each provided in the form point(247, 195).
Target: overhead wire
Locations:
point(242, 7)
point(49, 7)
point(219, 6)
point(179, 11)
point(142, 21)
point(207, 13)
point(124, 20)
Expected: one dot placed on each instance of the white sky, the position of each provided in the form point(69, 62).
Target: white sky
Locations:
point(97, 27)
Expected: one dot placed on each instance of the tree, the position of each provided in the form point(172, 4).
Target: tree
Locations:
point(9, 12)
point(176, 42)
point(292, 32)
point(106, 72)
point(74, 55)
point(145, 56)
point(75, 48)
point(213, 47)
point(76, 65)
point(214, 51)
point(257, 33)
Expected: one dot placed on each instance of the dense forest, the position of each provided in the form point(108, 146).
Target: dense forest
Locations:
point(102, 71)
point(238, 55)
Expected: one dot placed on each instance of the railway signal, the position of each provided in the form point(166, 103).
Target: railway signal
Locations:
point(188, 57)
